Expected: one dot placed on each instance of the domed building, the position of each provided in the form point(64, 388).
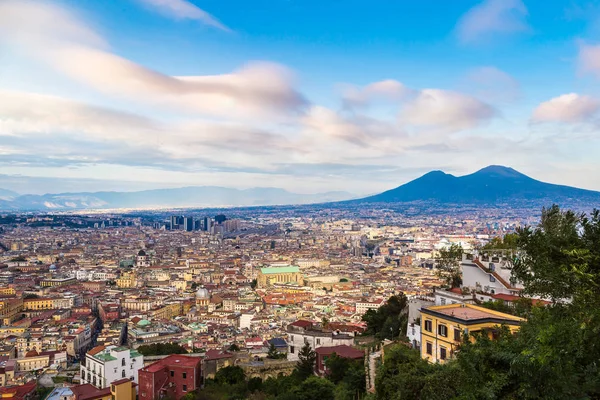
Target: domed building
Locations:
point(142, 259)
point(202, 298)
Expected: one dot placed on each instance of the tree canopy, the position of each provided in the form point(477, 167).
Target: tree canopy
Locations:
point(448, 264)
point(161, 349)
point(388, 321)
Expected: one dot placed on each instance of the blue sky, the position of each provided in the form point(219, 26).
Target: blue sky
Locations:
point(305, 95)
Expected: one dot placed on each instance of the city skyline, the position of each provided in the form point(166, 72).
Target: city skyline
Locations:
point(307, 97)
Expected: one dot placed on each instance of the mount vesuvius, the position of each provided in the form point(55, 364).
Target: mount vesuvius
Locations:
point(491, 185)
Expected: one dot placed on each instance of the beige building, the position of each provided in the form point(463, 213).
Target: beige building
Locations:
point(271, 275)
point(127, 280)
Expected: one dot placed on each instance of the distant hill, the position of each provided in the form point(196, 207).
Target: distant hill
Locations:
point(193, 196)
point(490, 185)
point(7, 194)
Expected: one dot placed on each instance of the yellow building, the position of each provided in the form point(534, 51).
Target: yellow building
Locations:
point(33, 363)
point(57, 282)
point(7, 291)
point(127, 280)
point(271, 275)
point(168, 311)
point(10, 309)
point(38, 304)
point(442, 327)
point(123, 389)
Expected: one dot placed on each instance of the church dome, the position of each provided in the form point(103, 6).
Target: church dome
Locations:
point(142, 253)
point(202, 293)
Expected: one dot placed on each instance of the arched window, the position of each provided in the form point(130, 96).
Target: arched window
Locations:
point(123, 374)
point(122, 362)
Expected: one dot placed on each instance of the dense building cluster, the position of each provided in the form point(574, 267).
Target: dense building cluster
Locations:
point(90, 305)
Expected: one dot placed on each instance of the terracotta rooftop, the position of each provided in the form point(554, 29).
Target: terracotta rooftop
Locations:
point(468, 312)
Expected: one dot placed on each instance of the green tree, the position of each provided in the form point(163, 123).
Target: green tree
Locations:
point(305, 367)
point(273, 353)
point(315, 388)
point(346, 373)
point(159, 349)
point(230, 375)
point(388, 321)
point(448, 264)
point(254, 384)
point(233, 347)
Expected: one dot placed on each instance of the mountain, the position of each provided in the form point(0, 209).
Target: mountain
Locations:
point(491, 185)
point(7, 194)
point(193, 196)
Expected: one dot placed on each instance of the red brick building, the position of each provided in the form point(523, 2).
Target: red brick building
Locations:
point(341, 350)
point(173, 376)
point(109, 312)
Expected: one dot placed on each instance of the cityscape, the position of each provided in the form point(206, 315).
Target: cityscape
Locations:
point(299, 200)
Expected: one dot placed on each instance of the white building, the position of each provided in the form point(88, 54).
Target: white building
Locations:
point(453, 296)
point(364, 306)
point(488, 274)
point(104, 365)
point(302, 332)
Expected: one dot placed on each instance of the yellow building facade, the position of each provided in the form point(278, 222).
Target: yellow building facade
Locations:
point(442, 327)
point(127, 280)
point(38, 304)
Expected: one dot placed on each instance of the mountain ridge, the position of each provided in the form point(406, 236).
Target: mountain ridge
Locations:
point(184, 197)
point(489, 185)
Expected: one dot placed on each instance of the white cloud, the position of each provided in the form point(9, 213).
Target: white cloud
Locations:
point(492, 84)
point(570, 107)
point(182, 9)
point(492, 17)
point(446, 110)
point(389, 89)
point(58, 38)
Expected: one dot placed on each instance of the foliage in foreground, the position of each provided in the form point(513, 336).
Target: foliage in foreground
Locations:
point(556, 353)
point(346, 381)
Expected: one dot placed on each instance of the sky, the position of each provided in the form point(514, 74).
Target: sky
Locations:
point(306, 95)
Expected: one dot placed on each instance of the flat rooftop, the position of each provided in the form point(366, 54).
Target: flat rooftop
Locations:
point(469, 313)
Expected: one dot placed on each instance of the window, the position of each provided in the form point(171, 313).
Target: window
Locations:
point(443, 301)
point(123, 374)
point(291, 349)
point(429, 348)
point(457, 335)
point(443, 330)
point(428, 325)
point(185, 388)
point(122, 362)
point(318, 341)
point(184, 375)
point(172, 373)
point(492, 279)
point(442, 353)
point(291, 338)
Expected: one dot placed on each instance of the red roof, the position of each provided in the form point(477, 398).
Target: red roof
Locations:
point(173, 360)
point(341, 350)
point(217, 354)
point(301, 323)
point(511, 297)
point(96, 350)
point(19, 392)
point(88, 392)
